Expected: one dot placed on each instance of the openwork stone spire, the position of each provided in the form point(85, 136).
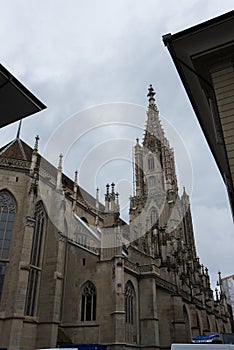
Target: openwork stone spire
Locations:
point(19, 129)
point(154, 160)
point(153, 125)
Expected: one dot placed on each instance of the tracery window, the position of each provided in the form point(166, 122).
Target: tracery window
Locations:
point(151, 162)
point(130, 301)
point(35, 260)
point(7, 213)
point(88, 302)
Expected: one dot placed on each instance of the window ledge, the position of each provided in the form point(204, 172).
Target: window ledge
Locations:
point(82, 324)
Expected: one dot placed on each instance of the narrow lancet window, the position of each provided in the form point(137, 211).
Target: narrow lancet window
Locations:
point(153, 216)
point(151, 162)
point(130, 306)
point(35, 260)
point(88, 302)
point(7, 214)
point(152, 182)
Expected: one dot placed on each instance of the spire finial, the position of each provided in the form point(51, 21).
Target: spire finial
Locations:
point(19, 128)
point(34, 155)
point(75, 190)
point(151, 94)
point(60, 162)
point(59, 173)
point(117, 200)
point(97, 198)
point(76, 176)
point(220, 278)
point(36, 143)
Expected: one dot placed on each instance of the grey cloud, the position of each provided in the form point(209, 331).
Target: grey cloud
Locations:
point(83, 54)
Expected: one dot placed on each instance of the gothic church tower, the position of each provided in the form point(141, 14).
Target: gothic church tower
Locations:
point(160, 220)
point(155, 175)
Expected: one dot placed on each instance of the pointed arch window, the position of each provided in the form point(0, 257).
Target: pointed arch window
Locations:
point(130, 306)
point(7, 214)
point(88, 302)
point(187, 325)
point(35, 260)
point(153, 216)
point(129, 303)
point(152, 182)
point(151, 162)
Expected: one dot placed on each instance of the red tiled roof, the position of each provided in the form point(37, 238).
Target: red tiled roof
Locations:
point(18, 149)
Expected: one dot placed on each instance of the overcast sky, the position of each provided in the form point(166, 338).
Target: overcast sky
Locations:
point(82, 57)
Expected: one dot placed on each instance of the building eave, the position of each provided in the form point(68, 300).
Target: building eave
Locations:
point(16, 101)
point(193, 51)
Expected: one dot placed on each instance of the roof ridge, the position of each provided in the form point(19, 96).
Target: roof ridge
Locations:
point(21, 148)
point(5, 148)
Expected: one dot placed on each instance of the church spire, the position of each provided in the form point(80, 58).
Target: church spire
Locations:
point(153, 125)
point(154, 162)
point(19, 129)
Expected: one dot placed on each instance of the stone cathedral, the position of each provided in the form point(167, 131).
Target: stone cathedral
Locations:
point(73, 272)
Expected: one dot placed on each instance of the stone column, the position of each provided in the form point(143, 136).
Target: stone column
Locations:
point(118, 313)
point(181, 321)
point(149, 328)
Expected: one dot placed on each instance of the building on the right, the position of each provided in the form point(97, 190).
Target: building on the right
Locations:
point(228, 288)
point(204, 58)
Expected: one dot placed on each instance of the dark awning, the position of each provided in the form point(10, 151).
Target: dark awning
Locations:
point(16, 101)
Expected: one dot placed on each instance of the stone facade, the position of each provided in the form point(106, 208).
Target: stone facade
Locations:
point(228, 289)
point(72, 271)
